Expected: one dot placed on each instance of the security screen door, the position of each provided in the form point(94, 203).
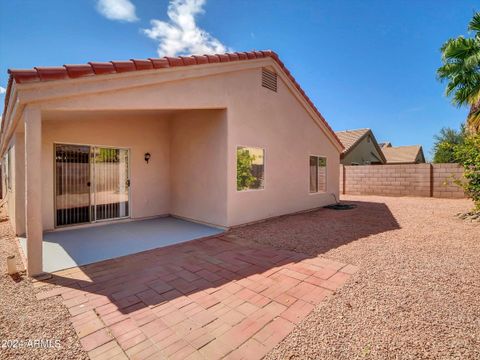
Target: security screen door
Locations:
point(91, 184)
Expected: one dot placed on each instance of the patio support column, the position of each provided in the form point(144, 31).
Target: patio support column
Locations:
point(33, 189)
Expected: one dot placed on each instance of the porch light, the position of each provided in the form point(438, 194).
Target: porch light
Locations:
point(147, 157)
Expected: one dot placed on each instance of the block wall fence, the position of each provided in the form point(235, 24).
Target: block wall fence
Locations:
point(425, 180)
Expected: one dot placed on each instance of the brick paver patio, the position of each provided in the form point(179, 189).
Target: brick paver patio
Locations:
point(206, 299)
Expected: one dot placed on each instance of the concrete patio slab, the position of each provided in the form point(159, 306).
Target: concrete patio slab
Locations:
point(75, 247)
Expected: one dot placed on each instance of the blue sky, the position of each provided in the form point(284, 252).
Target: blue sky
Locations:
point(363, 63)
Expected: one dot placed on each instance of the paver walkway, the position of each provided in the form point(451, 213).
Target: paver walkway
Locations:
point(206, 299)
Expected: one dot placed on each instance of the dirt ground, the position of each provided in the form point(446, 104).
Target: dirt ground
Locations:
point(416, 295)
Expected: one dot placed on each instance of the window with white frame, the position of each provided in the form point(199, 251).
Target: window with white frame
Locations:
point(250, 168)
point(9, 169)
point(318, 174)
point(4, 176)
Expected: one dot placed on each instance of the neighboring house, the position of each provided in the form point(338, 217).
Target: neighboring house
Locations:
point(412, 154)
point(143, 138)
point(360, 147)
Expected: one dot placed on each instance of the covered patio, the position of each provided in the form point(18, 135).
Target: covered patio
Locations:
point(95, 171)
point(85, 245)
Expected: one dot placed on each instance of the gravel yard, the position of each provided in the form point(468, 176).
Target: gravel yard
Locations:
point(24, 318)
point(417, 294)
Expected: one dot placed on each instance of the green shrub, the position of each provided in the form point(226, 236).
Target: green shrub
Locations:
point(468, 155)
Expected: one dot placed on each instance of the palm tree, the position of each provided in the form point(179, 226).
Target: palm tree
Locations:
point(461, 70)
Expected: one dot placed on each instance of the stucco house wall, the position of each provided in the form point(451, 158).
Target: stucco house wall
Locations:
point(255, 116)
point(13, 193)
point(10, 190)
point(278, 123)
point(191, 120)
point(198, 158)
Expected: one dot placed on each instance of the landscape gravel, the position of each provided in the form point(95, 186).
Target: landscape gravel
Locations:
point(24, 319)
point(416, 295)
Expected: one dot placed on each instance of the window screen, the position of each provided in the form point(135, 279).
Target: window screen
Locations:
point(9, 169)
point(318, 174)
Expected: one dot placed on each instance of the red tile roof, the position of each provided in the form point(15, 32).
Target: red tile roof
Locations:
point(37, 74)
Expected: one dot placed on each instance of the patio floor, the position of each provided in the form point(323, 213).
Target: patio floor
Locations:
point(206, 299)
point(75, 247)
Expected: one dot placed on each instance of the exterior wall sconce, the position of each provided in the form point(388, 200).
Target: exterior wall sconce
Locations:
point(147, 157)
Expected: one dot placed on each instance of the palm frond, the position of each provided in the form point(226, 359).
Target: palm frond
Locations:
point(450, 70)
point(459, 48)
point(474, 24)
point(461, 95)
point(473, 61)
point(461, 71)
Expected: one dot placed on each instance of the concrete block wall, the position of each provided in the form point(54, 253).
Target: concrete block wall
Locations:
point(423, 180)
point(444, 176)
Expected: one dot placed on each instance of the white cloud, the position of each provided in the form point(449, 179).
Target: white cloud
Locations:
point(181, 35)
point(122, 10)
point(2, 90)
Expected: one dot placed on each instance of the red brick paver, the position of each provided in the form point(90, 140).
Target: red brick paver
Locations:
point(206, 299)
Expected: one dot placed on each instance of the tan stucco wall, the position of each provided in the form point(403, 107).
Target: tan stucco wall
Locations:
point(12, 191)
point(149, 190)
point(278, 123)
point(362, 154)
point(14, 196)
point(192, 172)
point(19, 184)
point(198, 157)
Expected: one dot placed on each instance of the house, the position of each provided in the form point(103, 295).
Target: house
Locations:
point(412, 154)
point(360, 147)
point(221, 139)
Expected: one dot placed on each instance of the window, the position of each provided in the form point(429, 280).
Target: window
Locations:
point(9, 169)
point(250, 168)
point(318, 174)
point(4, 176)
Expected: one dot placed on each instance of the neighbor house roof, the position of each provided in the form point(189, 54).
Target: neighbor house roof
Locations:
point(40, 74)
point(402, 154)
point(350, 138)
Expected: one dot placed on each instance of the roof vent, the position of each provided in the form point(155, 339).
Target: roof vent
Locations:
point(269, 79)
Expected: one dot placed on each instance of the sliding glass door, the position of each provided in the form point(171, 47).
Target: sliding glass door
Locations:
point(92, 184)
point(72, 184)
point(110, 169)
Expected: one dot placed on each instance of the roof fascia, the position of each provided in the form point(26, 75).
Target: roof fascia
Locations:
point(52, 90)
